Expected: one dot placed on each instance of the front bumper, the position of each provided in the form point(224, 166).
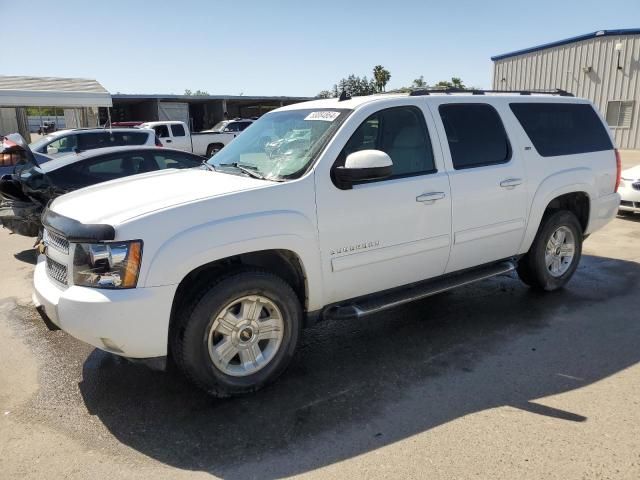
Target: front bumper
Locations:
point(132, 323)
point(630, 196)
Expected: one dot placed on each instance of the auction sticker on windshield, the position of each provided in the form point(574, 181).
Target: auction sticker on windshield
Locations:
point(326, 116)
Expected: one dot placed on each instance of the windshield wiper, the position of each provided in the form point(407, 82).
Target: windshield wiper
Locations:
point(252, 172)
point(208, 166)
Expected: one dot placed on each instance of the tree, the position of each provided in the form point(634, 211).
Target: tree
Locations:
point(325, 94)
point(354, 86)
point(419, 82)
point(381, 77)
point(455, 82)
point(197, 93)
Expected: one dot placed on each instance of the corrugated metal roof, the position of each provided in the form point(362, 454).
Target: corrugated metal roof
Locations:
point(21, 91)
point(599, 33)
point(50, 84)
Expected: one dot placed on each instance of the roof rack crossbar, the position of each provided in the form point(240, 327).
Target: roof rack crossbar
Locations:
point(428, 91)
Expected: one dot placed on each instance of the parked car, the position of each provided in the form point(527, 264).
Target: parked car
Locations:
point(80, 139)
point(235, 125)
point(388, 199)
point(176, 134)
point(24, 194)
point(630, 191)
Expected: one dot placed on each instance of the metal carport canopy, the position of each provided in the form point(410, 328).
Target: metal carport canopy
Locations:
point(18, 91)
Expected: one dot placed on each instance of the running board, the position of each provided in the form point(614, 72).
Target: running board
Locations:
point(393, 298)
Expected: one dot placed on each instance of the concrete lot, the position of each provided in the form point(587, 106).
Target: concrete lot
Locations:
point(488, 381)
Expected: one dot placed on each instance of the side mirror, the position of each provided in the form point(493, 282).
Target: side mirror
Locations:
point(362, 166)
point(51, 150)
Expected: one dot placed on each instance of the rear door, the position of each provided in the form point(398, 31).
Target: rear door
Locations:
point(489, 198)
point(180, 138)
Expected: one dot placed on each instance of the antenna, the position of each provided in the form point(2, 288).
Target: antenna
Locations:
point(344, 96)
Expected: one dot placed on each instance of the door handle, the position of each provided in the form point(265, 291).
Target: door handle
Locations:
point(511, 183)
point(429, 198)
point(168, 141)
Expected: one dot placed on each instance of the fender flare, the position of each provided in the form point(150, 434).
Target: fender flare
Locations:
point(561, 183)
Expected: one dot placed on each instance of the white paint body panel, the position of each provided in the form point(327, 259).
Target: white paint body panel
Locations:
point(349, 242)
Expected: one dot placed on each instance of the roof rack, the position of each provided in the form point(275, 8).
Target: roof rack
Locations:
point(429, 91)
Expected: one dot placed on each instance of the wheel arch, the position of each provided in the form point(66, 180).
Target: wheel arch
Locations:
point(571, 190)
point(282, 262)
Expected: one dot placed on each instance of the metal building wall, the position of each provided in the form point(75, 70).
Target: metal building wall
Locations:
point(567, 67)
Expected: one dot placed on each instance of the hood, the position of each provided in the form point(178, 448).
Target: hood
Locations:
point(120, 200)
point(632, 173)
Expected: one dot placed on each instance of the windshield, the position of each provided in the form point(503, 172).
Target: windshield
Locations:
point(280, 145)
point(218, 127)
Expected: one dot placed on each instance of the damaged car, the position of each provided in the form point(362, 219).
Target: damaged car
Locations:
point(33, 184)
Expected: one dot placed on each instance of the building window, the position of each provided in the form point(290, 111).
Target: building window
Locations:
point(619, 113)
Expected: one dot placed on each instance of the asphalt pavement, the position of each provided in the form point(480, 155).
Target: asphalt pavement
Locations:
point(488, 381)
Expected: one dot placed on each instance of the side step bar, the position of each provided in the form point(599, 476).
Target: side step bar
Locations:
point(371, 304)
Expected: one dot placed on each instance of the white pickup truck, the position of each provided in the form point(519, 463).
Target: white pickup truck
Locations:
point(327, 209)
point(175, 134)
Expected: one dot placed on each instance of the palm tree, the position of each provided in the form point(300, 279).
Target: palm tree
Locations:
point(381, 77)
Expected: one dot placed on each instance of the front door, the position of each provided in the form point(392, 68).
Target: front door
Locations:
point(390, 232)
point(489, 199)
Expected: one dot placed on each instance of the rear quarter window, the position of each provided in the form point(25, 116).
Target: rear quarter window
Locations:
point(562, 128)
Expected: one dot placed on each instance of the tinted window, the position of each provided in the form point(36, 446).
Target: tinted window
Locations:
point(176, 160)
point(562, 128)
point(232, 127)
point(475, 134)
point(101, 169)
point(243, 125)
point(402, 134)
point(91, 140)
point(162, 131)
point(177, 130)
point(64, 144)
point(128, 138)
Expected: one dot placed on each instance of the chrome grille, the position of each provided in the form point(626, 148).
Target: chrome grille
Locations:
point(56, 271)
point(56, 241)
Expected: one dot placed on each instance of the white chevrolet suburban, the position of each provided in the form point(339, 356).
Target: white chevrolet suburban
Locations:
point(336, 208)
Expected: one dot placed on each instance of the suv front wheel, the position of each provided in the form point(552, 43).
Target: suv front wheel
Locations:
point(239, 334)
point(555, 253)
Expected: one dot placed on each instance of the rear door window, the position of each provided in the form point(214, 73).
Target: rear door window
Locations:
point(475, 134)
point(176, 160)
point(562, 128)
point(119, 139)
point(91, 140)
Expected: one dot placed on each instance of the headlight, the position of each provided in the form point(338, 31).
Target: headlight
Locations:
point(107, 265)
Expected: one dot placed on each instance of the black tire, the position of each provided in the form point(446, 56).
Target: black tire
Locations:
point(625, 213)
point(532, 268)
point(189, 344)
point(213, 149)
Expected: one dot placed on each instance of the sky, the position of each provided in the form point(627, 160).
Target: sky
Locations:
point(283, 47)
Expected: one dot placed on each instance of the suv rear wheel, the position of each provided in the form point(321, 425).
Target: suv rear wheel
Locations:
point(555, 253)
point(239, 334)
